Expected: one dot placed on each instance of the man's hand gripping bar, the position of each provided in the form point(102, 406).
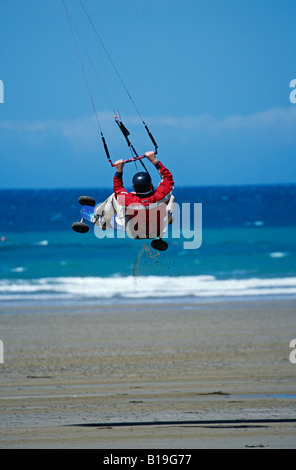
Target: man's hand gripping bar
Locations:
point(129, 160)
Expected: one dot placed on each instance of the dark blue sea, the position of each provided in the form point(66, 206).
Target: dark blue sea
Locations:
point(248, 250)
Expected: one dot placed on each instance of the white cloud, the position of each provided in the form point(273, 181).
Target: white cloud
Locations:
point(82, 132)
point(65, 127)
point(278, 123)
point(283, 118)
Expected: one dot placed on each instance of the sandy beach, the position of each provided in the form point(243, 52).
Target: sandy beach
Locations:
point(149, 376)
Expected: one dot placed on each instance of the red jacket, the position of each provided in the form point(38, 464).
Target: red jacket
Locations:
point(160, 197)
point(162, 190)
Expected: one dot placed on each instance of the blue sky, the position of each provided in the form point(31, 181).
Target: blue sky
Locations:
point(210, 78)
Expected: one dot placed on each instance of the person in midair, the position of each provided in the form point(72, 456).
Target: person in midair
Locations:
point(150, 208)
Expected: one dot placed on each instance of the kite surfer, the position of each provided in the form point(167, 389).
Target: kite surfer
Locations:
point(140, 204)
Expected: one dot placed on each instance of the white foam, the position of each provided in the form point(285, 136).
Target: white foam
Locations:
point(19, 269)
point(278, 254)
point(144, 287)
point(41, 243)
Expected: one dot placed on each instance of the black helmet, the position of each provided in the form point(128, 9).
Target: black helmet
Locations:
point(142, 183)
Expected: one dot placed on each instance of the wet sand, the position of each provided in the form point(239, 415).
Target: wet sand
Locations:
point(149, 376)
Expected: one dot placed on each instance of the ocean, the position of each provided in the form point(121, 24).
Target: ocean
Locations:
point(248, 250)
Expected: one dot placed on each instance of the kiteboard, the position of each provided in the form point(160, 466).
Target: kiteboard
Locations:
point(88, 213)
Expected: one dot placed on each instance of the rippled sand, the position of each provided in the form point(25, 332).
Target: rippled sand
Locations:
point(149, 376)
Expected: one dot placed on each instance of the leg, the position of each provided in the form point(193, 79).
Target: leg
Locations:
point(170, 209)
point(104, 212)
point(168, 218)
point(108, 209)
point(101, 207)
